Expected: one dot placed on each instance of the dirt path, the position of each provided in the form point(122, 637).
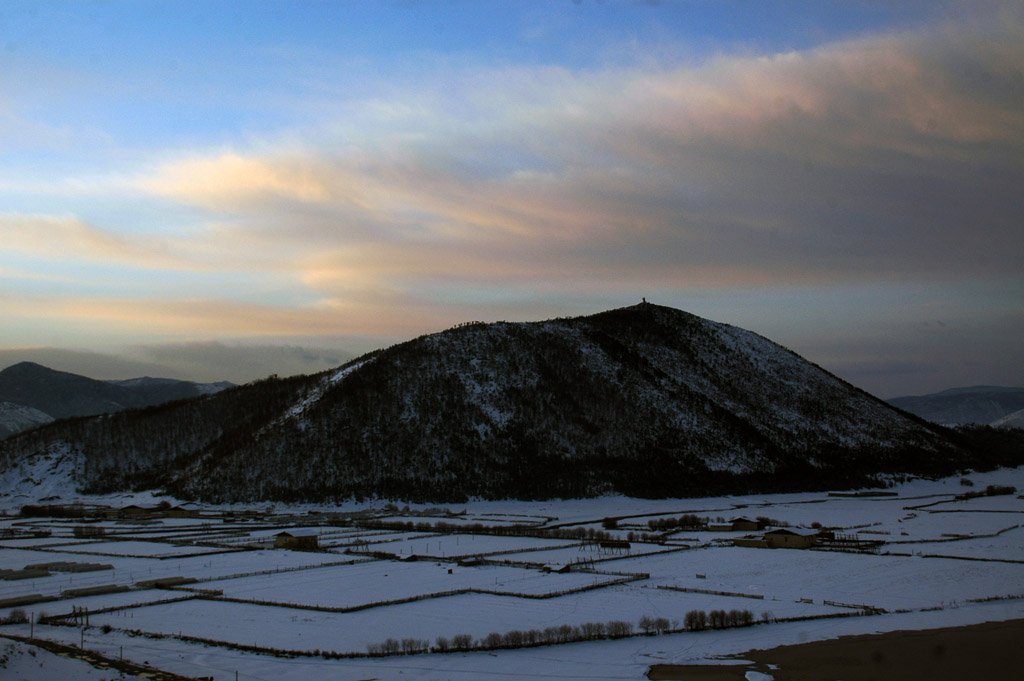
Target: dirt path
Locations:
point(990, 651)
point(99, 661)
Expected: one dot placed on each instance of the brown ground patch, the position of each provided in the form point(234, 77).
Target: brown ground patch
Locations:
point(993, 651)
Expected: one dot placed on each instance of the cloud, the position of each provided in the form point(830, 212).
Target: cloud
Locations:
point(243, 363)
point(230, 180)
point(893, 158)
point(40, 234)
point(366, 312)
point(853, 160)
point(66, 237)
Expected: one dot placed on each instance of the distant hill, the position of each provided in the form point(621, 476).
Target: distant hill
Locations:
point(58, 394)
point(15, 418)
point(1013, 420)
point(983, 404)
point(644, 401)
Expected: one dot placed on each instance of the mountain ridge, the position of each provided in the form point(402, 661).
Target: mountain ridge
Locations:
point(983, 404)
point(643, 400)
point(61, 394)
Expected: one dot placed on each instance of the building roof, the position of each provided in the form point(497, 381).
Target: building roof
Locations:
point(795, 531)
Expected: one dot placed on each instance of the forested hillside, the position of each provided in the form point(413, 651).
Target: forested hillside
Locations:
point(645, 401)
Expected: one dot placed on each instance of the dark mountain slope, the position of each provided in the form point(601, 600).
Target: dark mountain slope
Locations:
point(146, 448)
point(59, 394)
point(643, 400)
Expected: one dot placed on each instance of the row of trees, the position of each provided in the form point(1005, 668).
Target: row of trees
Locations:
point(530, 530)
point(698, 620)
point(990, 491)
point(687, 521)
point(695, 620)
point(516, 638)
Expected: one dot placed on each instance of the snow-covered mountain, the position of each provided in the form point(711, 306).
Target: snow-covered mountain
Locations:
point(58, 394)
point(1011, 420)
point(15, 418)
point(644, 400)
point(983, 404)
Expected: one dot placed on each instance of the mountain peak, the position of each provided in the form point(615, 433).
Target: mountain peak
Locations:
point(62, 395)
point(643, 400)
point(26, 368)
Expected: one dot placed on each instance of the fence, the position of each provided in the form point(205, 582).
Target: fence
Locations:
point(712, 592)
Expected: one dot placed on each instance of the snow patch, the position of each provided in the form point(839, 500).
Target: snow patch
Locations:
point(314, 395)
point(15, 418)
point(50, 474)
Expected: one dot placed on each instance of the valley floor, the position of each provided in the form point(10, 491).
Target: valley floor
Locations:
point(573, 589)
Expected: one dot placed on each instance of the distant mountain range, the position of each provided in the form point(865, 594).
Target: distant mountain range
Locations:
point(31, 394)
point(644, 401)
point(983, 404)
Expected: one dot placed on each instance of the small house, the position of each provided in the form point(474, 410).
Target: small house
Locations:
point(184, 511)
point(135, 510)
point(297, 542)
point(784, 538)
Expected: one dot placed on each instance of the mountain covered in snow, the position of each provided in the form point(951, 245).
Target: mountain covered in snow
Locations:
point(1012, 420)
point(644, 401)
point(58, 394)
point(15, 418)
point(983, 404)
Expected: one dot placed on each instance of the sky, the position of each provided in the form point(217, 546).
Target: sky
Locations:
point(226, 190)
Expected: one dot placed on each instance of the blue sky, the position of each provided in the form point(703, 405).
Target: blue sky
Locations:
point(226, 190)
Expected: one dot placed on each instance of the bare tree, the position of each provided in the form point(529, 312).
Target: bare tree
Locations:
point(696, 620)
point(619, 628)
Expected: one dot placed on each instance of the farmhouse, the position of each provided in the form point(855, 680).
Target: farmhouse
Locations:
point(135, 510)
point(184, 511)
point(298, 542)
point(789, 539)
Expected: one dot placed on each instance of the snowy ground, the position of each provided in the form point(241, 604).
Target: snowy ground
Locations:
point(943, 562)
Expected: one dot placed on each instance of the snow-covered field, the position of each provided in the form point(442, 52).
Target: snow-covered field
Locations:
point(464, 545)
point(942, 562)
point(361, 584)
